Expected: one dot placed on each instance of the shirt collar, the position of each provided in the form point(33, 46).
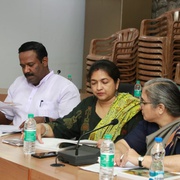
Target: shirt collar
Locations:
point(45, 78)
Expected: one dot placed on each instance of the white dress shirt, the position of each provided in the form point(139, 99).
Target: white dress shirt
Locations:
point(54, 97)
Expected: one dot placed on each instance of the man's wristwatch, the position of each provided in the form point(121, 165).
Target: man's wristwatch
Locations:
point(46, 119)
point(140, 160)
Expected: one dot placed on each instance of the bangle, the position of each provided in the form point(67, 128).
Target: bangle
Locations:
point(140, 160)
point(46, 126)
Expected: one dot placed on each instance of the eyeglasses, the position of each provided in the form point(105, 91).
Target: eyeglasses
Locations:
point(144, 102)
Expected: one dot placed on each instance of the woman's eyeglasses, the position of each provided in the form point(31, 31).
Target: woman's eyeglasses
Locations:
point(144, 102)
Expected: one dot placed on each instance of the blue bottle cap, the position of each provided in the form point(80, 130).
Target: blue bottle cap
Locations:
point(158, 139)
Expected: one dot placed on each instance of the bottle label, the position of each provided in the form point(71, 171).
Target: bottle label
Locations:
point(137, 93)
point(156, 175)
point(107, 160)
point(30, 135)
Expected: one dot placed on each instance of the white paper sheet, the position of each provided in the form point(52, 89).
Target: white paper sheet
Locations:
point(7, 129)
point(96, 167)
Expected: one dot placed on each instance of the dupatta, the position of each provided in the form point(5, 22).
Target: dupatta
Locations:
point(124, 107)
point(172, 140)
point(168, 133)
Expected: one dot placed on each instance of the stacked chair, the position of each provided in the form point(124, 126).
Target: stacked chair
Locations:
point(125, 54)
point(152, 53)
point(120, 48)
point(155, 57)
point(159, 46)
point(175, 47)
point(100, 48)
point(175, 40)
point(177, 74)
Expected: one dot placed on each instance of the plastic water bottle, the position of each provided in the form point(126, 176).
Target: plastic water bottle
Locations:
point(29, 135)
point(156, 171)
point(137, 89)
point(70, 77)
point(107, 158)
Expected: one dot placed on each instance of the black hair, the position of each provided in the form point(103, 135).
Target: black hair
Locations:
point(35, 46)
point(108, 66)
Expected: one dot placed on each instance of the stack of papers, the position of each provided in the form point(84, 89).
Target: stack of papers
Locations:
point(117, 170)
point(58, 144)
point(131, 171)
point(8, 129)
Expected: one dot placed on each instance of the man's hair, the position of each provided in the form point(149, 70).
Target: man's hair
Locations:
point(35, 46)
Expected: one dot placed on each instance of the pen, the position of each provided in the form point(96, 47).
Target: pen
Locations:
point(40, 103)
point(121, 158)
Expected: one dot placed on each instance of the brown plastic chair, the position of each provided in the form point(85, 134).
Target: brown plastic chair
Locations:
point(105, 48)
point(120, 48)
point(155, 51)
point(177, 74)
point(150, 68)
point(125, 54)
point(175, 47)
point(150, 73)
point(102, 48)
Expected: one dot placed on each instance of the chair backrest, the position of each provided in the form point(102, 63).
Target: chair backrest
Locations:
point(126, 87)
point(127, 44)
point(120, 48)
point(155, 45)
point(125, 54)
point(157, 27)
point(102, 46)
point(105, 47)
point(177, 74)
point(128, 35)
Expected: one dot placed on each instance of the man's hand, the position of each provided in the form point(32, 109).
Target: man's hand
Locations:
point(22, 125)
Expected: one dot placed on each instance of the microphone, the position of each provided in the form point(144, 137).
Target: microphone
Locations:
point(84, 154)
point(113, 122)
point(59, 71)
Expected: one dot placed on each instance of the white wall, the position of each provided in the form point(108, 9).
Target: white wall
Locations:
point(58, 24)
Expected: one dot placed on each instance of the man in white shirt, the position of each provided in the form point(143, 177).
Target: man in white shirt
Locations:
point(40, 91)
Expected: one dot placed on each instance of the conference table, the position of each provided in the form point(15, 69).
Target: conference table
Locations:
point(14, 165)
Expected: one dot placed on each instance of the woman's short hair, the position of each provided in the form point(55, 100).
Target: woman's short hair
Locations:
point(165, 91)
point(108, 66)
